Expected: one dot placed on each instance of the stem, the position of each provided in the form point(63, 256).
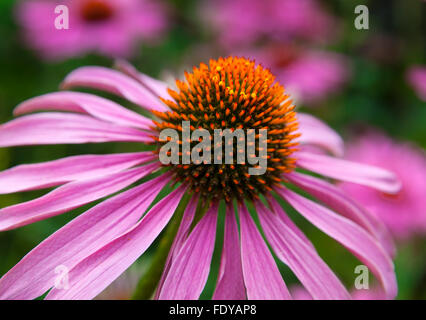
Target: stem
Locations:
point(149, 281)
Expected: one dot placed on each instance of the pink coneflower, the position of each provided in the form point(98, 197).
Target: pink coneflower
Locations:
point(416, 77)
point(310, 76)
point(108, 27)
point(405, 212)
point(103, 242)
point(244, 22)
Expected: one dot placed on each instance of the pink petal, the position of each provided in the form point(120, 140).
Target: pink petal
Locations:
point(70, 196)
point(230, 284)
point(190, 269)
point(301, 257)
point(179, 240)
point(97, 107)
point(35, 273)
point(344, 170)
point(156, 86)
point(337, 200)
point(350, 235)
point(262, 278)
point(316, 132)
point(92, 275)
point(115, 82)
point(53, 173)
point(57, 128)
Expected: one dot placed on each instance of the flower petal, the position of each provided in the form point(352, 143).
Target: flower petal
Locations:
point(57, 128)
point(337, 200)
point(179, 240)
point(97, 107)
point(344, 170)
point(301, 257)
point(230, 283)
point(262, 278)
point(35, 273)
point(70, 196)
point(116, 82)
point(92, 275)
point(314, 131)
point(53, 173)
point(190, 269)
point(350, 235)
point(156, 86)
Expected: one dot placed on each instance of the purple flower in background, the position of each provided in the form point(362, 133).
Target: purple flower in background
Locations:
point(310, 76)
point(242, 22)
point(416, 77)
point(405, 212)
point(100, 244)
point(108, 27)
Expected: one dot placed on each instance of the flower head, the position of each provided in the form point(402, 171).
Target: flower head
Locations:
point(103, 242)
point(405, 212)
point(107, 27)
point(233, 93)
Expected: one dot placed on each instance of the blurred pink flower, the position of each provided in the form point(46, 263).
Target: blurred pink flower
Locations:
point(108, 27)
point(309, 76)
point(416, 77)
point(101, 243)
point(242, 22)
point(404, 213)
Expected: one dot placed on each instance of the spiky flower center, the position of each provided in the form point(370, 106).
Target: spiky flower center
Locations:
point(232, 93)
point(96, 10)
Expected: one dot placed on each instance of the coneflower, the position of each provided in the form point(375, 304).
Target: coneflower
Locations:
point(100, 244)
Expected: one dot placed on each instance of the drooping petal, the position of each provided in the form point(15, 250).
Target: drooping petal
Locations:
point(60, 128)
point(350, 235)
point(69, 196)
point(262, 278)
point(337, 200)
point(230, 283)
point(314, 131)
point(344, 170)
point(36, 272)
point(190, 269)
point(156, 86)
point(180, 238)
point(301, 257)
point(116, 82)
point(281, 214)
point(93, 274)
point(97, 107)
point(53, 173)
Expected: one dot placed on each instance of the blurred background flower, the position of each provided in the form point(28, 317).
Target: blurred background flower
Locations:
point(405, 212)
point(309, 76)
point(353, 79)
